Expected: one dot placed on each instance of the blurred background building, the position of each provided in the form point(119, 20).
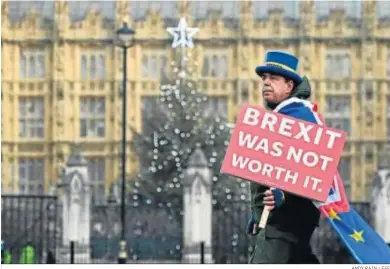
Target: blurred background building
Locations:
point(62, 77)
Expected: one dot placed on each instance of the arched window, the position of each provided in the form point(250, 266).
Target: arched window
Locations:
point(101, 67)
point(214, 66)
point(206, 66)
point(92, 67)
point(23, 67)
point(223, 67)
point(41, 66)
point(31, 64)
point(145, 66)
point(83, 67)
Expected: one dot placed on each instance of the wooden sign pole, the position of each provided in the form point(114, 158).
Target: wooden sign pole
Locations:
point(264, 217)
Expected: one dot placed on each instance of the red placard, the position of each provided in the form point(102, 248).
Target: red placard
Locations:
point(279, 151)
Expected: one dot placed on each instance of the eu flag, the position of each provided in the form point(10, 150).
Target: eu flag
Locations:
point(365, 245)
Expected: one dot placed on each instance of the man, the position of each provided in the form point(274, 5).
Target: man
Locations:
point(27, 255)
point(292, 219)
point(6, 256)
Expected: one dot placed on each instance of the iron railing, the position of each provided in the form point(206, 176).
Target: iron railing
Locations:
point(154, 232)
point(29, 220)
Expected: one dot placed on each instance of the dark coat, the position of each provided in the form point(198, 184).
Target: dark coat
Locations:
point(289, 226)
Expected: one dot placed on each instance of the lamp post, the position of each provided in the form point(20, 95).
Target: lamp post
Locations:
point(125, 38)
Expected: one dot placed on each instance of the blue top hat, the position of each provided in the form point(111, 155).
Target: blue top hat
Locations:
point(280, 63)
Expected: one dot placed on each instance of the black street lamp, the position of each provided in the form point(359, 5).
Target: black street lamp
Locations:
point(125, 38)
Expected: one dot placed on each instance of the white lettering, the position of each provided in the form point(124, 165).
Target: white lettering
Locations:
point(307, 179)
point(262, 145)
point(332, 136)
point(292, 153)
point(251, 116)
point(286, 126)
point(291, 176)
point(325, 161)
point(267, 169)
point(306, 157)
point(254, 166)
point(316, 182)
point(270, 121)
point(277, 151)
point(310, 158)
point(318, 136)
point(239, 161)
point(279, 171)
point(304, 132)
point(246, 140)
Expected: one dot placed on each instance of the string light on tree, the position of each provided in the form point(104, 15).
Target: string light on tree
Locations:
point(180, 123)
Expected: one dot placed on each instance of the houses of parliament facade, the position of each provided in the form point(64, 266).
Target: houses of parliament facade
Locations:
point(62, 76)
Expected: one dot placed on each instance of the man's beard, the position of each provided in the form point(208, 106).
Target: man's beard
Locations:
point(271, 105)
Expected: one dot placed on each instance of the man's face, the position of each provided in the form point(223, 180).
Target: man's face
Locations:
point(276, 88)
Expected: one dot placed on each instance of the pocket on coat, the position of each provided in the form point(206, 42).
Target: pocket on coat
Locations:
point(271, 250)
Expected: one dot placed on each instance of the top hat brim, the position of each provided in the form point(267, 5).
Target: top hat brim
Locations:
point(278, 71)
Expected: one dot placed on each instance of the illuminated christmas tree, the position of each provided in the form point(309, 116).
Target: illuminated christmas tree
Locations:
point(177, 124)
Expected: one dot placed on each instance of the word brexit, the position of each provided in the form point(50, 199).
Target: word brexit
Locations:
point(293, 128)
point(279, 151)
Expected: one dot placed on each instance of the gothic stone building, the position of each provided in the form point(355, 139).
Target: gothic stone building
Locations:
point(61, 76)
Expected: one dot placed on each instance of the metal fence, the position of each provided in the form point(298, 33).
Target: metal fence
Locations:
point(154, 232)
point(155, 235)
point(29, 221)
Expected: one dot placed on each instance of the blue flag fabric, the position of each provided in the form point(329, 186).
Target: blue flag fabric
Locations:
point(364, 244)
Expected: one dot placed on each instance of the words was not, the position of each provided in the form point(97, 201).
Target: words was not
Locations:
point(277, 149)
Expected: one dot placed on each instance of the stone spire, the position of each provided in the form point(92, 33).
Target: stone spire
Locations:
point(75, 157)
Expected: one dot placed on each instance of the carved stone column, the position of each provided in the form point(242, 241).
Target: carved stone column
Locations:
point(307, 29)
point(381, 196)
point(76, 199)
point(60, 94)
point(122, 13)
point(246, 17)
point(307, 23)
point(183, 7)
point(369, 17)
point(197, 209)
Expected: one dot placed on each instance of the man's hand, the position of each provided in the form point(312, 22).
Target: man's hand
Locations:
point(273, 198)
point(269, 199)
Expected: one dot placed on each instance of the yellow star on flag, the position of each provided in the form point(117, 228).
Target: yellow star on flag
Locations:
point(357, 236)
point(333, 214)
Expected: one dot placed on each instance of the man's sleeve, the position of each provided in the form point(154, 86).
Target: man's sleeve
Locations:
point(257, 195)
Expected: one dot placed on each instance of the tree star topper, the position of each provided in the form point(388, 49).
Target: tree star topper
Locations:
point(182, 34)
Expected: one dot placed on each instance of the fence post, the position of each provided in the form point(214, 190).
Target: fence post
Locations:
point(72, 252)
point(202, 252)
